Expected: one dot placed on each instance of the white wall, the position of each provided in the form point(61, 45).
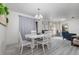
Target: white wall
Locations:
point(73, 25)
point(2, 38)
point(13, 27)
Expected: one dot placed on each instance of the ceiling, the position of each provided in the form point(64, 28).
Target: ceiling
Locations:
point(48, 10)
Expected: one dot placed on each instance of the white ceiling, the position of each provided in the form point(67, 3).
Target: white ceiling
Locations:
point(54, 10)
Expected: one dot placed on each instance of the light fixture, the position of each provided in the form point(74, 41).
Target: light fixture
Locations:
point(66, 25)
point(38, 15)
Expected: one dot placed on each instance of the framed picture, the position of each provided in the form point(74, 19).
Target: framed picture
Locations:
point(3, 20)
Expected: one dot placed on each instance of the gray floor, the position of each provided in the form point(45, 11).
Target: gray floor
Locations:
point(57, 47)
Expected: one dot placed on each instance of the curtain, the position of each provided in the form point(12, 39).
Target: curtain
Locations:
point(26, 25)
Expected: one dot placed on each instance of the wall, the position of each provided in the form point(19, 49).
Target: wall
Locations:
point(2, 38)
point(13, 27)
point(73, 25)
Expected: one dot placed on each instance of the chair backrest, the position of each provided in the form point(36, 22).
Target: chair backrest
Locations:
point(20, 38)
point(46, 37)
point(49, 33)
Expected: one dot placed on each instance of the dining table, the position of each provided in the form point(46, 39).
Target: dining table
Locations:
point(34, 36)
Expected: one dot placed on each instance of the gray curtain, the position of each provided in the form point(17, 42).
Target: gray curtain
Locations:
point(26, 25)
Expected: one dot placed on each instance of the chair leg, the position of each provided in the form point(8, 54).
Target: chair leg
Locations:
point(43, 48)
point(21, 50)
point(37, 46)
point(48, 45)
point(32, 51)
point(32, 46)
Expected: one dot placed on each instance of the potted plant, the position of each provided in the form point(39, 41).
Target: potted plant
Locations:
point(3, 14)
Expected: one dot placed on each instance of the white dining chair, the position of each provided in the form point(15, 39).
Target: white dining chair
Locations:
point(45, 41)
point(25, 43)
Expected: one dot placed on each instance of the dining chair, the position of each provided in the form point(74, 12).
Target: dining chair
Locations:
point(25, 43)
point(45, 41)
point(49, 33)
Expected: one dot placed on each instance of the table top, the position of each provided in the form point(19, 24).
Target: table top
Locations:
point(34, 36)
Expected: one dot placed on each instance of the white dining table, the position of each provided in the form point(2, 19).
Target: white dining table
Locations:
point(34, 36)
